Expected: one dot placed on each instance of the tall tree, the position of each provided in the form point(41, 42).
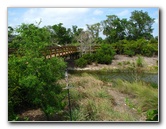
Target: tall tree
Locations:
point(75, 33)
point(114, 28)
point(141, 25)
point(95, 29)
point(61, 35)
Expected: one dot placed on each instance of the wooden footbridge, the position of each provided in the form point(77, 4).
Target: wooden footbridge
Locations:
point(61, 51)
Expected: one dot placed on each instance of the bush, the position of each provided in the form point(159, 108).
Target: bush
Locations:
point(134, 47)
point(150, 50)
point(104, 54)
point(103, 59)
point(129, 52)
point(32, 79)
point(89, 58)
point(81, 62)
point(119, 46)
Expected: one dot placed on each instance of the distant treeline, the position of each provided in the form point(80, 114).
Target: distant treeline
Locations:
point(114, 29)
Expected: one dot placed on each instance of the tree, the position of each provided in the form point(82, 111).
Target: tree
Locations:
point(10, 31)
point(85, 39)
point(75, 33)
point(61, 35)
point(11, 34)
point(95, 29)
point(32, 79)
point(114, 28)
point(141, 25)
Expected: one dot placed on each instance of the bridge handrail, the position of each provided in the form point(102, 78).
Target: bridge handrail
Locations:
point(59, 50)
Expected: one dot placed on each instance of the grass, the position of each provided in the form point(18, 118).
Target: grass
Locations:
point(91, 100)
point(146, 96)
point(140, 61)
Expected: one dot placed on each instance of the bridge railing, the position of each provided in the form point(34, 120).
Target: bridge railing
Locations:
point(58, 51)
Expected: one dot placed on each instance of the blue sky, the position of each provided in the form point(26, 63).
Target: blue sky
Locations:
point(74, 16)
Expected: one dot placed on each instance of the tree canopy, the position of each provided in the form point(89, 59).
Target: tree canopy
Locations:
point(139, 25)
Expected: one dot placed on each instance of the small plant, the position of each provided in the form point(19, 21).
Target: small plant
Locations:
point(139, 61)
point(102, 94)
point(126, 62)
point(120, 63)
point(152, 115)
point(129, 103)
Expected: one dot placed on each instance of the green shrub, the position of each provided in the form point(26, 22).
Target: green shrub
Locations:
point(129, 52)
point(32, 79)
point(140, 46)
point(150, 50)
point(81, 62)
point(120, 46)
point(89, 58)
point(105, 54)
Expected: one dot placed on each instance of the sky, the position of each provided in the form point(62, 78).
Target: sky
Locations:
point(74, 16)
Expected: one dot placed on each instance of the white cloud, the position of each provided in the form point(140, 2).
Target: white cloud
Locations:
point(63, 11)
point(52, 16)
point(98, 12)
point(124, 13)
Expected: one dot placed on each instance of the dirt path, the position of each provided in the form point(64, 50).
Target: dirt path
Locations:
point(122, 106)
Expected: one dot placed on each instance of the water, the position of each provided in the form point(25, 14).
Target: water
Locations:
point(110, 76)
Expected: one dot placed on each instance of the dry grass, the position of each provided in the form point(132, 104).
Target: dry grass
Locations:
point(91, 100)
point(146, 96)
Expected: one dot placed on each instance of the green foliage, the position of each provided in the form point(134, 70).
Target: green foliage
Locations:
point(129, 52)
point(103, 59)
point(119, 46)
point(114, 28)
point(89, 57)
point(150, 49)
point(146, 95)
point(129, 103)
point(95, 30)
point(104, 54)
point(60, 34)
point(138, 26)
point(81, 62)
point(134, 47)
point(141, 25)
point(31, 77)
point(139, 61)
point(40, 37)
point(152, 115)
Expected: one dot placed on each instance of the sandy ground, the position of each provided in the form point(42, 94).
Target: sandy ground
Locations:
point(148, 61)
